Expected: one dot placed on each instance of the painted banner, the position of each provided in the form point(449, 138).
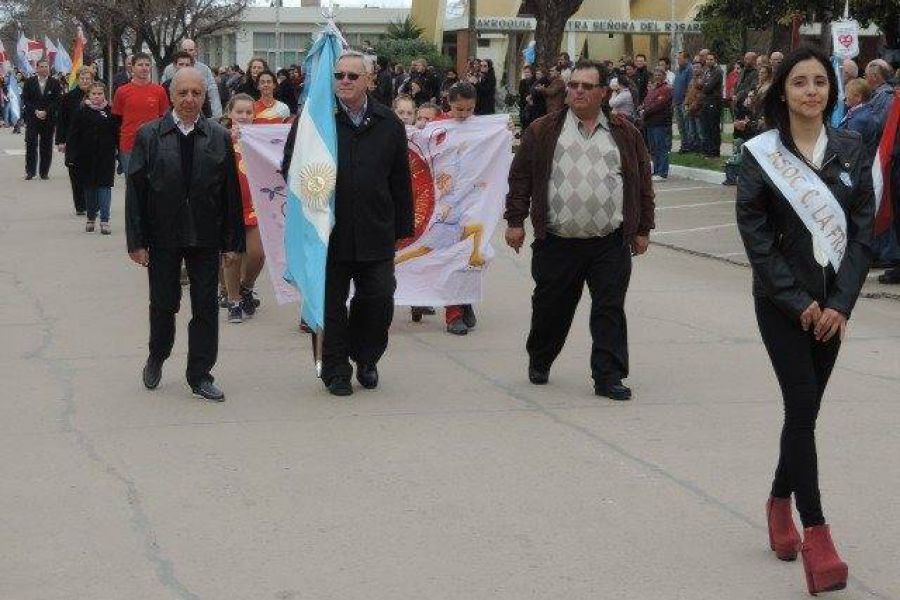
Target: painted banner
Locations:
point(459, 172)
point(262, 148)
point(845, 38)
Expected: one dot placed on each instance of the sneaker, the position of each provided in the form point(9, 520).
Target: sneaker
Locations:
point(235, 313)
point(104, 228)
point(457, 327)
point(89, 227)
point(248, 301)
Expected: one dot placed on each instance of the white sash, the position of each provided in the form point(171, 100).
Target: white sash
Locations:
point(808, 195)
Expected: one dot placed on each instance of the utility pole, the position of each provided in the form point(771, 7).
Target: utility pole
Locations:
point(473, 30)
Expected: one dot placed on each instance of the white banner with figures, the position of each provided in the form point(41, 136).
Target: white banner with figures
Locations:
point(459, 179)
point(459, 175)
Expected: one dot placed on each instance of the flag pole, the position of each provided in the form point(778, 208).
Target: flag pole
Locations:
point(317, 342)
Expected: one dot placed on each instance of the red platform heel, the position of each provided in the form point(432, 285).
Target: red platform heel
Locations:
point(825, 571)
point(784, 538)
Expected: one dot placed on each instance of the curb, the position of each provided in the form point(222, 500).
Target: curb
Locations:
point(705, 175)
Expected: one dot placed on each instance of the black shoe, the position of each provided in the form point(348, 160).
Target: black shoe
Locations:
point(235, 314)
point(29, 177)
point(613, 391)
point(45, 177)
point(152, 373)
point(340, 386)
point(469, 316)
point(457, 327)
point(538, 376)
point(729, 182)
point(249, 303)
point(416, 313)
point(890, 277)
point(208, 391)
point(367, 376)
point(80, 213)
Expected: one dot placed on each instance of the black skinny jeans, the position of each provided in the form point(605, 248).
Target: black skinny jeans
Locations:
point(802, 366)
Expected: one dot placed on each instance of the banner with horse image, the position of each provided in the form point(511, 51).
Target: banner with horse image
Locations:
point(459, 175)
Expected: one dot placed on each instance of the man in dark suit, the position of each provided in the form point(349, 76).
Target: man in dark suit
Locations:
point(41, 97)
point(183, 203)
point(711, 112)
point(373, 209)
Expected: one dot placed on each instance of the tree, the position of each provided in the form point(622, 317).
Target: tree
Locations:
point(551, 17)
point(404, 30)
point(404, 51)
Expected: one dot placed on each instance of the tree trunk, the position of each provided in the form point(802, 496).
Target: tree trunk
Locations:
point(552, 16)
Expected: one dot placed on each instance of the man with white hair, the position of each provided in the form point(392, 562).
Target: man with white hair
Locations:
point(212, 90)
point(878, 72)
point(182, 203)
point(373, 209)
point(849, 70)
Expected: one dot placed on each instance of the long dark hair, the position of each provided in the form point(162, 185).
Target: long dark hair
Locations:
point(775, 108)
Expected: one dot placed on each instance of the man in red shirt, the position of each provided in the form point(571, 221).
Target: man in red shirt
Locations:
point(136, 104)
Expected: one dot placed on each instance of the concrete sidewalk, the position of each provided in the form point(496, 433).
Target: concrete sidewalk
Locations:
point(455, 480)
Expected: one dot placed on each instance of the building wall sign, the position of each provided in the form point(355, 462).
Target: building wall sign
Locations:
point(506, 24)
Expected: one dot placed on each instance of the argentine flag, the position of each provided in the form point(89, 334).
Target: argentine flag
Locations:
point(62, 62)
point(14, 106)
point(309, 215)
point(840, 109)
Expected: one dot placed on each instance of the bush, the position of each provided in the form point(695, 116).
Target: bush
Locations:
point(405, 51)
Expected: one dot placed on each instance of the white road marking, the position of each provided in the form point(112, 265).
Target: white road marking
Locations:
point(15, 152)
point(708, 228)
point(696, 204)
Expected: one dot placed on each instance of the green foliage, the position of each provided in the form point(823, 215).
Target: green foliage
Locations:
point(404, 51)
point(404, 30)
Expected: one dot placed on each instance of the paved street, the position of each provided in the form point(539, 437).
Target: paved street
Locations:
point(457, 479)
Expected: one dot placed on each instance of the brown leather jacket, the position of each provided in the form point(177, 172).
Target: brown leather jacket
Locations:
point(555, 94)
point(529, 176)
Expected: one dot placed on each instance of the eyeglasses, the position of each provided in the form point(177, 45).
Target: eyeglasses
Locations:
point(574, 85)
point(340, 76)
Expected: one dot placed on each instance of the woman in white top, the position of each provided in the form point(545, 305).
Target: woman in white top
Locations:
point(621, 102)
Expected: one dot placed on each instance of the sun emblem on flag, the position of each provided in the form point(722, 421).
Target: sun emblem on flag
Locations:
point(317, 180)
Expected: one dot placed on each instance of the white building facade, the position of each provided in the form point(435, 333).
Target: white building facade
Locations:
point(281, 35)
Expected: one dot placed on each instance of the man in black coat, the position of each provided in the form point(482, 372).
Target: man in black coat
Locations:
point(41, 98)
point(711, 111)
point(373, 209)
point(183, 203)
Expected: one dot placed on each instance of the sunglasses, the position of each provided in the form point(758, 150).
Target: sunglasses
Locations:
point(574, 85)
point(340, 76)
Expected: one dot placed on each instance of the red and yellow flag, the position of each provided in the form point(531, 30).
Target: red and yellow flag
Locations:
point(77, 58)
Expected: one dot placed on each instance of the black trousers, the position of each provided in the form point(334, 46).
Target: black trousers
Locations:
point(802, 366)
point(711, 121)
point(38, 135)
point(560, 268)
point(77, 191)
point(165, 300)
point(361, 334)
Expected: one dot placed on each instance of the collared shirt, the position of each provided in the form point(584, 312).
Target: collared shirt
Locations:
point(42, 83)
point(356, 117)
point(583, 128)
point(184, 127)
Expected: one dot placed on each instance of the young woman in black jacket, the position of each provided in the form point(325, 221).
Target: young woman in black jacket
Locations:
point(71, 103)
point(805, 209)
point(91, 150)
point(486, 87)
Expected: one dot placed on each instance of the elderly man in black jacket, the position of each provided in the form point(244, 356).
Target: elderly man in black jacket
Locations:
point(183, 203)
point(41, 97)
point(373, 209)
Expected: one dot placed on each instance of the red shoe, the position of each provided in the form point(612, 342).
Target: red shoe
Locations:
point(784, 538)
point(825, 571)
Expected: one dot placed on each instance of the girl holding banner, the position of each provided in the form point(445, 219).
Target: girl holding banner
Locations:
point(805, 208)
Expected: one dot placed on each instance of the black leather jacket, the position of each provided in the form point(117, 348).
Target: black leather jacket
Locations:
point(780, 247)
point(162, 210)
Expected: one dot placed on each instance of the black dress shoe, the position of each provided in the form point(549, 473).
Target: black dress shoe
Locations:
point(538, 376)
point(45, 177)
point(890, 277)
point(367, 376)
point(152, 373)
point(469, 316)
point(29, 177)
point(340, 386)
point(208, 391)
point(613, 391)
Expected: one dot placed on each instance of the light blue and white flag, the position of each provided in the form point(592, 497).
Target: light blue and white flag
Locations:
point(24, 48)
point(840, 109)
point(14, 97)
point(309, 215)
point(63, 62)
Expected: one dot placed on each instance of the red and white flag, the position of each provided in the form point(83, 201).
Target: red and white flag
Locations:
point(881, 169)
point(49, 50)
